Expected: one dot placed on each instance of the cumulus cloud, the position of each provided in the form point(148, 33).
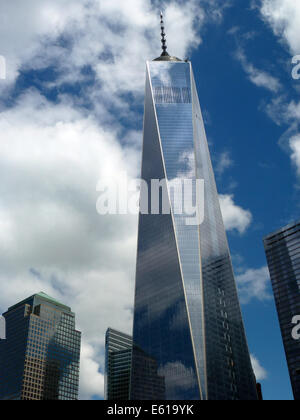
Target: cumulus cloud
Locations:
point(51, 237)
point(24, 27)
point(258, 77)
point(234, 216)
point(224, 162)
point(287, 113)
point(284, 18)
point(254, 284)
point(91, 380)
point(259, 371)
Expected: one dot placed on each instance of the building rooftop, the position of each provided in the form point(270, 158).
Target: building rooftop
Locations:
point(42, 296)
point(281, 230)
point(167, 58)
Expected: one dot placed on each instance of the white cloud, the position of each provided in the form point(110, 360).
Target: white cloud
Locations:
point(51, 159)
point(254, 284)
point(258, 77)
point(23, 27)
point(293, 111)
point(284, 18)
point(283, 112)
point(91, 380)
point(224, 162)
point(260, 372)
point(234, 216)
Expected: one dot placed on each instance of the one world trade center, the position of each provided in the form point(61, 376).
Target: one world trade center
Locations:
point(188, 334)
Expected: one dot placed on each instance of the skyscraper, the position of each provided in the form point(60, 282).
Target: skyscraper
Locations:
point(118, 359)
point(187, 316)
point(39, 360)
point(118, 354)
point(283, 255)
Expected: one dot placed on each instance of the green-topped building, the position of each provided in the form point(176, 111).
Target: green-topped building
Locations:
point(39, 360)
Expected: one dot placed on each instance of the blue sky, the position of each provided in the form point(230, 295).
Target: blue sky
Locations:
point(71, 112)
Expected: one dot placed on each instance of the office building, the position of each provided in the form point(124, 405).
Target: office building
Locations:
point(283, 254)
point(118, 357)
point(39, 360)
point(118, 353)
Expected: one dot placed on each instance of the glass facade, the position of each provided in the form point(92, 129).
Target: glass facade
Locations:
point(187, 318)
point(118, 353)
point(283, 255)
point(39, 360)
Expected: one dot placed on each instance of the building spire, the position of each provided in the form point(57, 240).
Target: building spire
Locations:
point(165, 56)
point(163, 36)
